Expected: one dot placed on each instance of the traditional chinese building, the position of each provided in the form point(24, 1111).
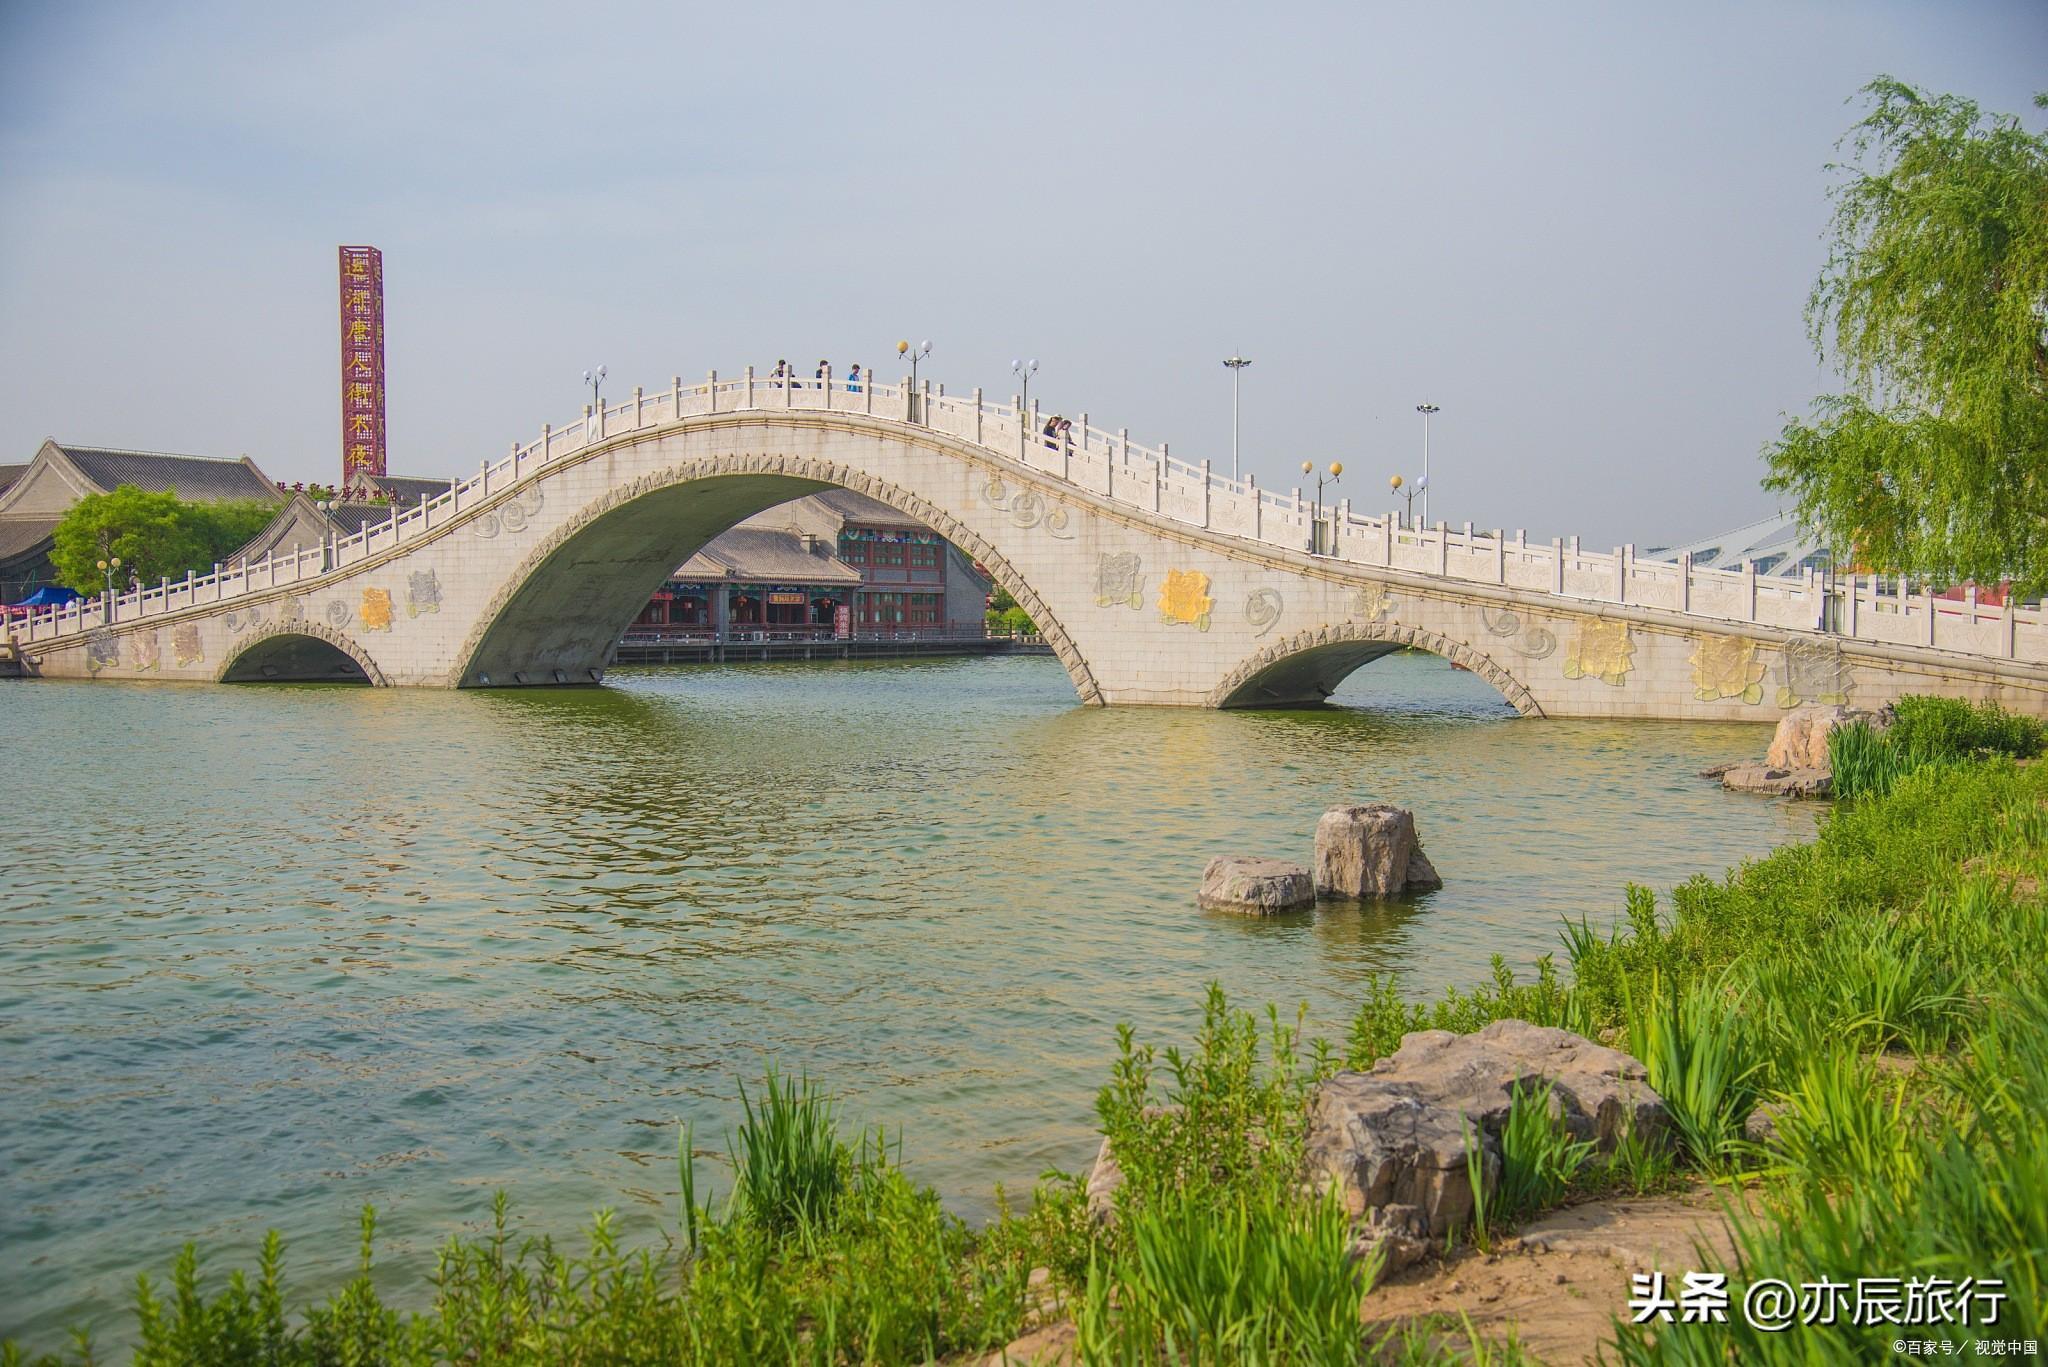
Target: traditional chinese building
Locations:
point(35, 497)
point(834, 563)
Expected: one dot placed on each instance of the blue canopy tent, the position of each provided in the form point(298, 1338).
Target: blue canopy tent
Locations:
point(50, 596)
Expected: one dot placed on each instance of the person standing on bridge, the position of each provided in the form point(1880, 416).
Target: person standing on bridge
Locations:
point(779, 375)
point(824, 376)
point(853, 378)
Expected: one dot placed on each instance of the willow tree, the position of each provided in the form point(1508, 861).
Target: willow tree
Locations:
point(1933, 308)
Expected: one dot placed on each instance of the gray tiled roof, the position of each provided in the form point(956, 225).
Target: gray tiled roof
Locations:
point(350, 518)
point(23, 535)
point(410, 489)
point(860, 508)
point(195, 478)
point(9, 474)
point(757, 554)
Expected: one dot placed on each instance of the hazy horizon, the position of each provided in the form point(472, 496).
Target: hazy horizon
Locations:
point(1586, 233)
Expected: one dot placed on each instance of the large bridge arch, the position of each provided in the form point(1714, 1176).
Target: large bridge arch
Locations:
point(1309, 665)
point(557, 615)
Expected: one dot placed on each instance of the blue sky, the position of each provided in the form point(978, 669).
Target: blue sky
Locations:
point(1587, 231)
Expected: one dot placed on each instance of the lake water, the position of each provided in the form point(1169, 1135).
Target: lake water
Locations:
point(269, 954)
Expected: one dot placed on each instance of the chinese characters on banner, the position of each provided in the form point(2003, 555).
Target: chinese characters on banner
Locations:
point(362, 361)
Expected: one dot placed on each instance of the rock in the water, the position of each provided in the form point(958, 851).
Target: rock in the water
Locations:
point(1370, 852)
point(1258, 887)
point(1780, 782)
point(1398, 1135)
point(1422, 875)
point(1801, 740)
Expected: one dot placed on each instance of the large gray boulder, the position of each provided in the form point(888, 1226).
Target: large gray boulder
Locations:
point(1253, 886)
point(1370, 852)
point(1396, 1139)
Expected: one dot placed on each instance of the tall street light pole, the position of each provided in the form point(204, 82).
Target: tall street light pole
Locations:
point(1425, 409)
point(595, 379)
point(1237, 365)
point(1024, 370)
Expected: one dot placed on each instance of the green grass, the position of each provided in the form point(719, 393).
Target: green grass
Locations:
point(1866, 762)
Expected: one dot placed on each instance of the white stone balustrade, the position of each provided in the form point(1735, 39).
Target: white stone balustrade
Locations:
point(1110, 465)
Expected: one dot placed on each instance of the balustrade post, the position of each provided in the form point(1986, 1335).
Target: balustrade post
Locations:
point(1927, 604)
point(788, 390)
point(1500, 556)
point(1749, 589)
point(1443, 549)
point(483, 479)
point(1158, 477)
point(1685, 581)
point(636, 407)
point(750, 387)
point(909, 400)
point(1387, 538)
point(675, 398)
point(977, 415)
point(1251, 490)
point(1557, 564)
point(1205, 492)
point(711, 389)
point(2008, 637)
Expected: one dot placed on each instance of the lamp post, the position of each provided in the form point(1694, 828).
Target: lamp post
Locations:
point(1407, 491)
point(916, 354)
point(1237, 365)
point(1335, 473)
point(108, 567)
point(1425, 409)
point(1024, 370)
point(595, 379)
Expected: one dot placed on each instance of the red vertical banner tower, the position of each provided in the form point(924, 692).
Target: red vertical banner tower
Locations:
point(362, 361)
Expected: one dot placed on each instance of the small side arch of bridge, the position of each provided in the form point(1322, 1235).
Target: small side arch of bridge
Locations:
point(1309, 665)
point(299, 652)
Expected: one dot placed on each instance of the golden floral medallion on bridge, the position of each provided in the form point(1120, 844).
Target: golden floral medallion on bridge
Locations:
point(375, 610)
point(1601, 650)
point(1184, 599)
point(1726, 667)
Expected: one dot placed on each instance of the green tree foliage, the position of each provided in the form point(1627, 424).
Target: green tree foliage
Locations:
point(1933, 307)
point(1005, 617)
point(154, 534)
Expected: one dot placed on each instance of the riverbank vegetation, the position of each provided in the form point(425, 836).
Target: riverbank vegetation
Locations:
point(1865, 761)
point(1881, 993)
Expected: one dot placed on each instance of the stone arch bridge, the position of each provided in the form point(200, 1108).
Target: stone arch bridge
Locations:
point(1154, 580)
